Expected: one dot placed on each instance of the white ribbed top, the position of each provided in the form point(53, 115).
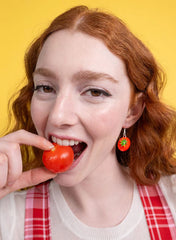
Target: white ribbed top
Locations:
point(132, 224)
point(66, 226)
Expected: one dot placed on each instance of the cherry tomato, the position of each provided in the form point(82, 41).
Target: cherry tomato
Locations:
point(124, 144)
point(58, 159)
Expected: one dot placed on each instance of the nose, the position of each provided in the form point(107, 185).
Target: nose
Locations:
point(63, 112)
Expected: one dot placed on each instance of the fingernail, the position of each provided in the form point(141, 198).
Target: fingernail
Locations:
point(49, 145)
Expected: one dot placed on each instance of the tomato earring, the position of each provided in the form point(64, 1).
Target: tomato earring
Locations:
point(124, 142)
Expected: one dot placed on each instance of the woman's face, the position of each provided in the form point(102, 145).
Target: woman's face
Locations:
point(82, 94)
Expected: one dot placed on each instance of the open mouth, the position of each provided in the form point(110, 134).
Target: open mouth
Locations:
point(78, 147)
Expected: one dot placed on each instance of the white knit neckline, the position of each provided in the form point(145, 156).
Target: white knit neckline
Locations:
point(83, 231)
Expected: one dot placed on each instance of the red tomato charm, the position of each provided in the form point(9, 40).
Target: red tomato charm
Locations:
point(124, 144)
point(58, 159)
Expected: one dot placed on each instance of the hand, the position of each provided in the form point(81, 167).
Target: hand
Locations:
point(11, 176)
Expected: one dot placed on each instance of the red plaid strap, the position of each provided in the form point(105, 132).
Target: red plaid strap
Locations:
point(158, 215)
point(37, 219)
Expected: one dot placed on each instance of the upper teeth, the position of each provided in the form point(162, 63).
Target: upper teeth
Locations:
point(65, 142)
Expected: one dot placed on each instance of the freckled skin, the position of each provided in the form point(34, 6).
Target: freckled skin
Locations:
point(72, 110)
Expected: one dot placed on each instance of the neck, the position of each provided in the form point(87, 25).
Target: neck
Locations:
point(103, 198)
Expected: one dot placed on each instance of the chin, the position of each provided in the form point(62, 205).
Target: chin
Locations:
point(65, 180)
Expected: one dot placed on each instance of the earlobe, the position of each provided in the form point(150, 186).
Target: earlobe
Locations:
point(135, 111)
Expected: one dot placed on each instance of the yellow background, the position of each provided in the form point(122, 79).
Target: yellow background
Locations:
point(153, 21)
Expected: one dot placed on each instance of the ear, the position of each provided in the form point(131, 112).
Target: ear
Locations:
point(135, 111)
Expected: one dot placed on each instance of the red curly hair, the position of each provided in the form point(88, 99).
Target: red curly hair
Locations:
point(153, 136)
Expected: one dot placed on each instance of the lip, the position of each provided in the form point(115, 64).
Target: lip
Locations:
point(64, 137)
point(75, 163)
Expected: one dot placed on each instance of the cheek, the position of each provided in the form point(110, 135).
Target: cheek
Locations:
point(109, 122)
point(39, 116)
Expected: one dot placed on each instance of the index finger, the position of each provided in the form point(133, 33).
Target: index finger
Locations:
point(28, 138)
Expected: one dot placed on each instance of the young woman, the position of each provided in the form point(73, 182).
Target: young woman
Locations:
point(90, 83)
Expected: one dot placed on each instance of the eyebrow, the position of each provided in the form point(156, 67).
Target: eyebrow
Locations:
point(91, 76)
point(44, 72)
point(79, 76)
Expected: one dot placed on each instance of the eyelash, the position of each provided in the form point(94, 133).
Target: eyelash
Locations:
point(49, 89)
point(43, 88)
point(99, 91)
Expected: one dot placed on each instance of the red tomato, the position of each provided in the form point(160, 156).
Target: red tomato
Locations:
point(58, 159)
point(124, 144)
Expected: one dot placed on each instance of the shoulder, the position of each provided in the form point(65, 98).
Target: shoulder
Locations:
point(168, 187)
point(13, 200)
point(12, 209)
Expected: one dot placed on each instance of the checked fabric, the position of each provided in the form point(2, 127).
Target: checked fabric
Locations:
point(158, 215)
point(37, 219)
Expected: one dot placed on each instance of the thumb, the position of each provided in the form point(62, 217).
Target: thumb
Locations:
point(27, 179)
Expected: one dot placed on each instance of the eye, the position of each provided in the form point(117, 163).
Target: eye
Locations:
point(44, 88)
point(95, 92)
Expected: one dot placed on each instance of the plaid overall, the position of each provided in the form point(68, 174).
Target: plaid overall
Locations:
point(158, 215)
